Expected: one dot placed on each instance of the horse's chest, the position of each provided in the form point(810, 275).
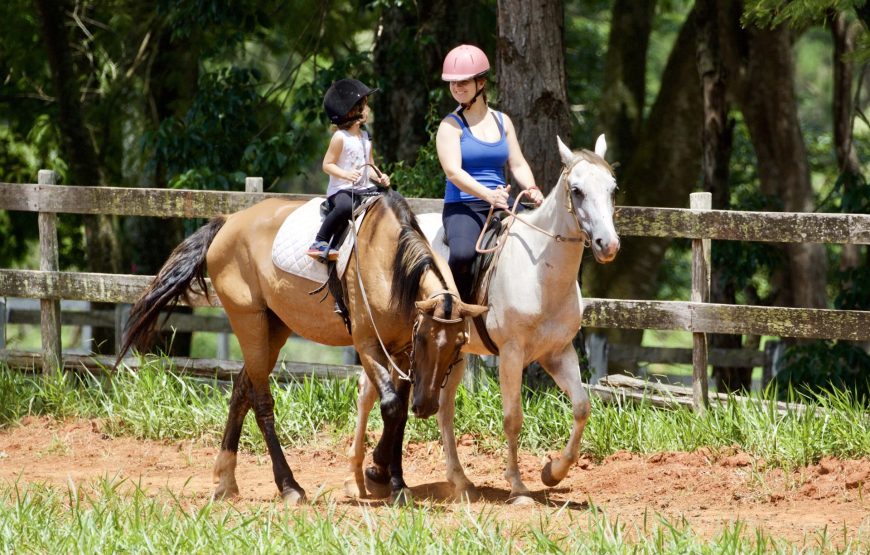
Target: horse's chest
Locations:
point(538, 323)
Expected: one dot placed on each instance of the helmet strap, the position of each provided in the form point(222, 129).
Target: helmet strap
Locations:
point(467, 105)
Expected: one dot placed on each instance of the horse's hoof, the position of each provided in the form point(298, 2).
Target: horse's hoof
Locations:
point(293, 498)
point(521, 500)
point(225, 493)
point(376, 489)
point(547, 475)
point(402, 498)
point(353, 488)
point(466, 494)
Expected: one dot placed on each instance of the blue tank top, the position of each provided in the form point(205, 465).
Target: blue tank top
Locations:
point(482, 160)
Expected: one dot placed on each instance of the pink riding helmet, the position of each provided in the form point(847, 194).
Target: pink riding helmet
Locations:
point(464, 62)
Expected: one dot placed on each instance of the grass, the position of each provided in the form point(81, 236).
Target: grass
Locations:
point(157, 403)
point(116, 516)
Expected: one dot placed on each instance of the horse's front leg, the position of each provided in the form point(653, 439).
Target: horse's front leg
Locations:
point(354, 485)
point(377, 476)
point(399, 492)
point(510, 375)
point(463, 488)
point(564, 367)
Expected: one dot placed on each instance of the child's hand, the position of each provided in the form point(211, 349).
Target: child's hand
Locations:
point(385, 180)
point(353, 175)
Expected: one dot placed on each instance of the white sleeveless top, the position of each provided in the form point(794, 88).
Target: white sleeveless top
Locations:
point(354, 153)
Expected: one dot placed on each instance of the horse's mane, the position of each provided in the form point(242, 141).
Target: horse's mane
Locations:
point(413, 256)
point(593, 158)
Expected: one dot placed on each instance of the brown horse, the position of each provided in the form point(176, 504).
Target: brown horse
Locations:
point(398, 272)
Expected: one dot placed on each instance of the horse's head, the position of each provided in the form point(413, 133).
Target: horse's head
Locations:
point(590, 187)
point(440, 331)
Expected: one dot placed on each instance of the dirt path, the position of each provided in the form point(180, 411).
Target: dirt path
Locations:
point(708, 489)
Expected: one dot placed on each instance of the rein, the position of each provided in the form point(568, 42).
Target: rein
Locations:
point(569, 205)
point(407, 376)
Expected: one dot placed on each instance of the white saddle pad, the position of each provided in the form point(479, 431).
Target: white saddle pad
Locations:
point(295, 236)
point(433, 229)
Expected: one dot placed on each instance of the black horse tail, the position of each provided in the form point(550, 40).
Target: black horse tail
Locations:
point(185, 265)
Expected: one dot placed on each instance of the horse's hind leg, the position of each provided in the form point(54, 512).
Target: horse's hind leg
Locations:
point(565, 370)
point(354, 485)
point(225, 465)
point(261, 335)
point(463, 488)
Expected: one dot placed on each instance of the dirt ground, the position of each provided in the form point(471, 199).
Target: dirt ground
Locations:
point(709, 489)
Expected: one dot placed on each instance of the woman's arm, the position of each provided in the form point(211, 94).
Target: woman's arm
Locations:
point(450, 156)
point(518, 165)
point(330, 161)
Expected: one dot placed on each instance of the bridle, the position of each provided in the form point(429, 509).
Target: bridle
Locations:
point(569, 205)
point(407, 376)
point(423, 314)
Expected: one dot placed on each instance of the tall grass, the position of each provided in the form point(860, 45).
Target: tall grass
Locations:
point(157, 403)
point(116, 516)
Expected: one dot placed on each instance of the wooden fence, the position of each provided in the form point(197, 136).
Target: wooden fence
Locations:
point(698, 223)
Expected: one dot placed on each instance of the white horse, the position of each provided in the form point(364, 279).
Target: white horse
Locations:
point(535, 308)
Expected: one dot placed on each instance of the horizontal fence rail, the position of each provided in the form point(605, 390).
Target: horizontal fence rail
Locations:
point(597, 313)
point(699, 223)
point(726, 225)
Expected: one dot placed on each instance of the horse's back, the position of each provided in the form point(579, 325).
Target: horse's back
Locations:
point(241, 252)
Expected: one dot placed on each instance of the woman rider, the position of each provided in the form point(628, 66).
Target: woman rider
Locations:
point(474, 143)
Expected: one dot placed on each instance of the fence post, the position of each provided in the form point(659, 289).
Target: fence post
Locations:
point(700, 294)
point(49, 309)
point(122, 316)
point(597, 351)
point(253, 184)
point(2, 322)
point(471, 378)
point(773, 350)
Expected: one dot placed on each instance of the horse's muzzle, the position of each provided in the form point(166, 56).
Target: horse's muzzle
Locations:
point(605, 251)
point(424, 410)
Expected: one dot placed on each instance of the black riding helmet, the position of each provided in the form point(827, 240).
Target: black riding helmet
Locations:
point(342, 96)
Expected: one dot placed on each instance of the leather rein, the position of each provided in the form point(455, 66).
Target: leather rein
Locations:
point(569, 205)
point(407, 376)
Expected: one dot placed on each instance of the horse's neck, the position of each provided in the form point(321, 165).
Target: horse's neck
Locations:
point(557, 261)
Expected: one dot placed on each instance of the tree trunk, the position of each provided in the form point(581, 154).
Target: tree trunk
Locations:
point(843, 36)
point(716, 140)
point(102, 248)
point(173, 73)
point(765, 93)
point(624, 90)
point(531, 75)
point(409, 49)
point(662, 172)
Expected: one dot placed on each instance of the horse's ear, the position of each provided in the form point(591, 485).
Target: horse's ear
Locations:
point(473, 310)
point(427, 305)
point(565, 152)
point(601, 146)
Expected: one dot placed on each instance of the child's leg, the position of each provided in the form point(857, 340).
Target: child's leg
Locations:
point(333, 224)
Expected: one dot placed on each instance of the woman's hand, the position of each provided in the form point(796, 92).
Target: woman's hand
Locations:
point(498, 197)
point(535, 195)
point(384, 180)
